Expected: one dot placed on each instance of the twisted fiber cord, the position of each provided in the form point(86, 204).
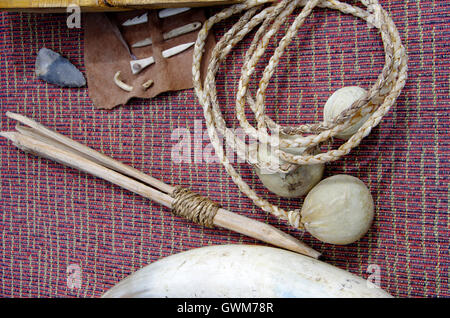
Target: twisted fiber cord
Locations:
point(194, 207)
point(260, 134)
point(381, 96)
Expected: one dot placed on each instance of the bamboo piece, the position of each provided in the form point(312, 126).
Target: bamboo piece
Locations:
point(46, 143)
point(104, 5)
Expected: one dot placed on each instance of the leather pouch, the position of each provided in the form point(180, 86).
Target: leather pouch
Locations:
point(105, 55)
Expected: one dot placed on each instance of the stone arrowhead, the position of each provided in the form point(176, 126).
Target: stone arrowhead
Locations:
point(55, 69)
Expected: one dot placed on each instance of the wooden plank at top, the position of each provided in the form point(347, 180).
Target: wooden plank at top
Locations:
point(169, 3)
point(104, 5)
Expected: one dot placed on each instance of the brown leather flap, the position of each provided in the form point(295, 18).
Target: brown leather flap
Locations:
point(105, 55)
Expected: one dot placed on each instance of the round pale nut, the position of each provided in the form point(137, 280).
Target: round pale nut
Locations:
point(292, 184)
point(338, 210)
point(339, 101)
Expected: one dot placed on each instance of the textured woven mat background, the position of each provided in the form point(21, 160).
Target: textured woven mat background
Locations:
point(52, 216)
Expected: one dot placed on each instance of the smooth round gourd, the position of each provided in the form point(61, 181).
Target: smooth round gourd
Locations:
point(339, 101)
point(338, 210)
point(293, 184)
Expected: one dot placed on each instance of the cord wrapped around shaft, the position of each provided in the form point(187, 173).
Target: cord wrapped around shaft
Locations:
point(194, 207)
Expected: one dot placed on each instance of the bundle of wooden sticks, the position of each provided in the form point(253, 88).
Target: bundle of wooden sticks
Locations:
point(39, 140)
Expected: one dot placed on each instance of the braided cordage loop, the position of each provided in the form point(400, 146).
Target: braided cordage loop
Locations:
point(380, 97)
point(194, 207)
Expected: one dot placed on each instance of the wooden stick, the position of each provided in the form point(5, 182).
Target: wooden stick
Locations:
point(64, 157)
point(104, 5)
point(92, 154)
point(34, 141)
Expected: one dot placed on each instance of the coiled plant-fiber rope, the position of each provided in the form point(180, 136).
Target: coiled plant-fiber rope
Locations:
point(379, 99)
